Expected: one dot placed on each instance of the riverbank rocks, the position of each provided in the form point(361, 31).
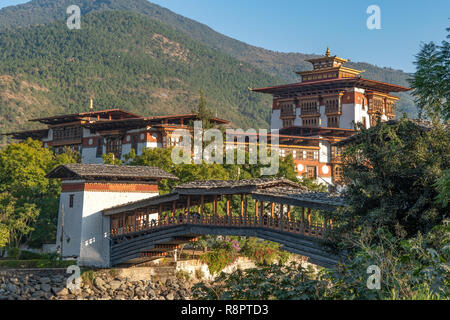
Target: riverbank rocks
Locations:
point(41, 284)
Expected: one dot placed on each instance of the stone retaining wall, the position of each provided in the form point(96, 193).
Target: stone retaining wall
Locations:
point(158, 282)
point(100, 285)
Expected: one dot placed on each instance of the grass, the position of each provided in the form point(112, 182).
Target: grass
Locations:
point(87, 275)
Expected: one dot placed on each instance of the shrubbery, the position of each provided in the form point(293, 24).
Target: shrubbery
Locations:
point(415, 268)
point(225, 252)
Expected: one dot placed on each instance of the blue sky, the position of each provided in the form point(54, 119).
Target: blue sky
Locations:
point(310, 26)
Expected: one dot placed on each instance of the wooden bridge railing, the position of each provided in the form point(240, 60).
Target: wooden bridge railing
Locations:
point(294, 226)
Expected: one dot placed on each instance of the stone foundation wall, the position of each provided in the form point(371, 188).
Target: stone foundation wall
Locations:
point(157, 282)
point(108, 284)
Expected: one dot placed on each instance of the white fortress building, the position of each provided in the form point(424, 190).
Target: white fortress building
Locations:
point(323, 109)
point(310, 115)
point(87, 189)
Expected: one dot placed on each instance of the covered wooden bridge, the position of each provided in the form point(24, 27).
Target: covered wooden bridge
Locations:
point(263, 208)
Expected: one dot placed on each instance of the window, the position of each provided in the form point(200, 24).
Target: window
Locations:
point(114, 146)
point(311, 172)
point(311, 122)
point(71, 197)
point(338, 173)
point(390, 107)
point(332, 106)
point(336, 152)
point(333, 122)
point(309, 107)
point(310, 155)
point(364, 122)
point(287, 109)
point(134, 142)
point(287, 123)
point(67, 133)
point(99, 147)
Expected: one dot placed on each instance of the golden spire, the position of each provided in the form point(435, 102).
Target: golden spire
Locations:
point(328, 52)
point(91, 106)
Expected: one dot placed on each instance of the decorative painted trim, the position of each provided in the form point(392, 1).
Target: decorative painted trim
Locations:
point(109, 187)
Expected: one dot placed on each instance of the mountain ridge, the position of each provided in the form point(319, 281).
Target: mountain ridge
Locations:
point(50, 69)
point(277, 66)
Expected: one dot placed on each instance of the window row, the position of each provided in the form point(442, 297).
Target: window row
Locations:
point(300, 154)
point(309, 107)
point(332, 106)
point(67, 133)
point(287, 109)
point(333, 122)
point(311, 122)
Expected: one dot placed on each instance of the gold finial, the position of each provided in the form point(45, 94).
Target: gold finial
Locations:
point(91, 106)
point(328, 52)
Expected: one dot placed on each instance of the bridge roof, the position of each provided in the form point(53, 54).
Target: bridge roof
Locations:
point(308, 199)
point(109, 172)
point(233, 186)
point(266, 189)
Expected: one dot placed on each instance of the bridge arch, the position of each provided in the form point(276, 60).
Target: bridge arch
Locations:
point(147, 229)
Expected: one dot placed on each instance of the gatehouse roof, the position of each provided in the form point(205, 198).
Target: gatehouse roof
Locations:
point(78, 171)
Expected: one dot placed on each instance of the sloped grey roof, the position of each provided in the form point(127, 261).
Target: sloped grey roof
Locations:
point(301, 198)
point(265, 189)
point(205, 186)
point(110, 172)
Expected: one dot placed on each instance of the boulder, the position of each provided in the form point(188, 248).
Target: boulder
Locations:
point(60, 291)
point(170, 296)
point(38, 294)
point(46, 287)
point(99, 283)
point(44, 280)
point(114, 285)
point(12, 288)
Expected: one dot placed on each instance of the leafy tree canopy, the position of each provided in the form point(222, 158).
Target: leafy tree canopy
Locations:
point(391, 171)
point(431, 81)
point(29, 199)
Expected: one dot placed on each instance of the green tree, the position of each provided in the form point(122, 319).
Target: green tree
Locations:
point(412, 269)
point(390, 171)
point(17, 220)
point(110, 158)
point(35, 199)
point(203, 112)
point(443, 188)
point(431, 80)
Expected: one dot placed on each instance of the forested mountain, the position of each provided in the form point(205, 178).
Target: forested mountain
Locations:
point(126, 60)
point(276, 67)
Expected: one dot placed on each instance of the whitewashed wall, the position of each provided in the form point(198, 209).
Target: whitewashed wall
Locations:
point(275, 122)
point(89, 155)
point(87, 228)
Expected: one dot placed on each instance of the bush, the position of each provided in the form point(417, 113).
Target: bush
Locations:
point(264, 252)
point(183, 275)
point(199, 274)
point(412, 269)
point(274, 281)
point(88, 276)
point(13, 253)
